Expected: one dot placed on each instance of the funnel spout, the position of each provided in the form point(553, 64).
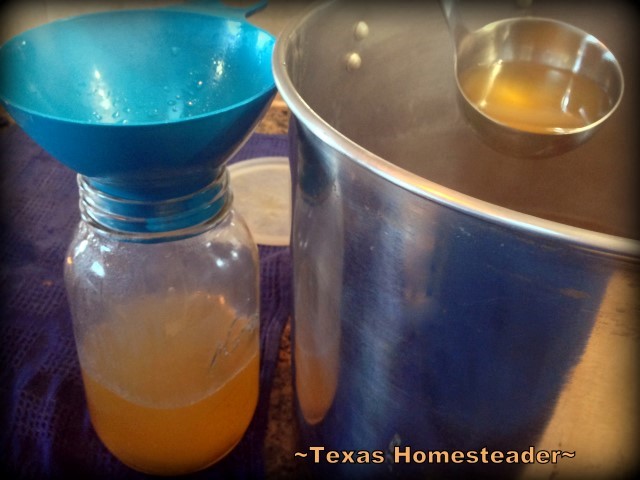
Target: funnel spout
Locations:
point(150, 220)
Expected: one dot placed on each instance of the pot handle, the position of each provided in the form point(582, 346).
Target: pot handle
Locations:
point(219, 8)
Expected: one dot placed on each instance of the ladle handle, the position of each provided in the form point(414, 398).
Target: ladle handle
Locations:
point(456, 28)
point(218, 7)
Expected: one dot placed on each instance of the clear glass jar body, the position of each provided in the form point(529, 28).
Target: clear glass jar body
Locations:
point(167, 334)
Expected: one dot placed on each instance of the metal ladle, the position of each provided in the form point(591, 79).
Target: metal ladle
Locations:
point(560, 53)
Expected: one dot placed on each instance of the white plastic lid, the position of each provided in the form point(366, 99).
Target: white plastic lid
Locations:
point(262, 195)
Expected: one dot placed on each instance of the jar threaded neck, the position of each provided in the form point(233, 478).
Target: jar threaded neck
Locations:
point(154, 220)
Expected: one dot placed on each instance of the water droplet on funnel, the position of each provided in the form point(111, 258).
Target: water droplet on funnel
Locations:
point(199, 84)
point(115, 114)
point(175, 51)
point(171, 102)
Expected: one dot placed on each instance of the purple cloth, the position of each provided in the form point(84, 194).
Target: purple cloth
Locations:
point(45, 430)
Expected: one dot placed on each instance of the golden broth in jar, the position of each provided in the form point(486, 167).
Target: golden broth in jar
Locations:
point(171, 383)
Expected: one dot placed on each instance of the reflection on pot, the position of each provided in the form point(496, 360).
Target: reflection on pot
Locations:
point(316, 334)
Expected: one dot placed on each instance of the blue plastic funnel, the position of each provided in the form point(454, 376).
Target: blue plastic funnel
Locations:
point(147, 103)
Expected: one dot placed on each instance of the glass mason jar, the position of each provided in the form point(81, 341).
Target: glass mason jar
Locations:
point(164, 300)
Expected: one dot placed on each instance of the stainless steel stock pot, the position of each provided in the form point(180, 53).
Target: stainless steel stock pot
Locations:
point(447, 296)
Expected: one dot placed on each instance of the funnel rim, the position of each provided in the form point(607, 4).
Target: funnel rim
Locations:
point(266, 90)
point(130, 124)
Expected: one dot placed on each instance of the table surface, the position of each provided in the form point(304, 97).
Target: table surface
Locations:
point(282, 435)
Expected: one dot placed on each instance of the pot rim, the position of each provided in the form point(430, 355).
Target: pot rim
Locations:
point(601, 243)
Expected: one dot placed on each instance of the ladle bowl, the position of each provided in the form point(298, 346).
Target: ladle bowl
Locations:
point(147, 103)
point(569, 84)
